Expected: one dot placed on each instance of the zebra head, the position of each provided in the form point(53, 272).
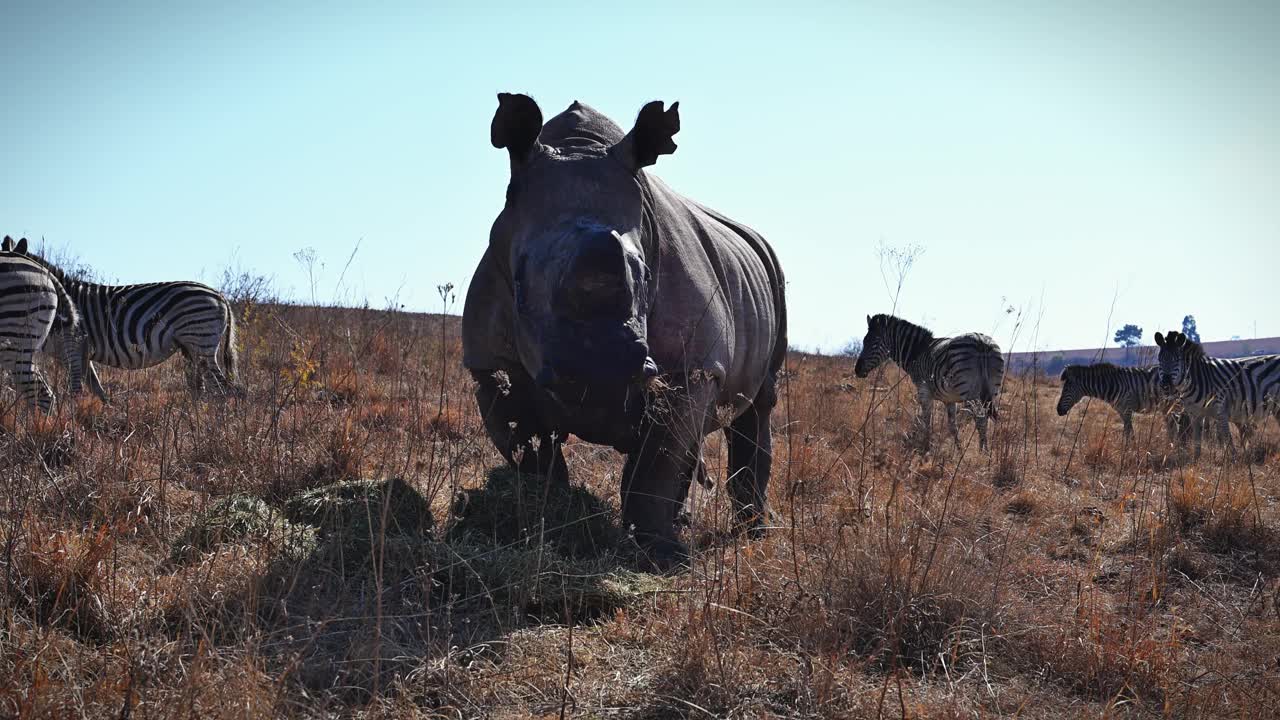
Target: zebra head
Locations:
point(1072, 389)
point(1176, 351)
point(875, 346)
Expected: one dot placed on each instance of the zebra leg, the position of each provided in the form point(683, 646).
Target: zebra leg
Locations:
point(27, 378)
point(1246, 435)
point(926, 415)
point(980, 419)
point(951, 423)
point(1224, 429)
point(95, 385)
point(210, 370)
point(1127, 418)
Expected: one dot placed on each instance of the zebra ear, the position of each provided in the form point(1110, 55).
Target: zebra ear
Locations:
point(868, 320)
point(21, 248)
point(1159, 340)
point(7, 245)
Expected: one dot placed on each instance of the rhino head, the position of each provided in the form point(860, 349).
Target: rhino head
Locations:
point(572, 234)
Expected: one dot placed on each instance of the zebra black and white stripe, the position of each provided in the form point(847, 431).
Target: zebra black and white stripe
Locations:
point(966, 368)
point(137, 326)
point(1221, 390)
point(33, 306)
point(1128, 390)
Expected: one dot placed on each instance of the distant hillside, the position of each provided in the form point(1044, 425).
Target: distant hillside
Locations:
point(1052, 361)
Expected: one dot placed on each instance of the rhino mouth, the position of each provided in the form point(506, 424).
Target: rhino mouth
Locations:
point(575, 389)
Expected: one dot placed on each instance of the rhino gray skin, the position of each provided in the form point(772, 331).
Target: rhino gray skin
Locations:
point(597, 278)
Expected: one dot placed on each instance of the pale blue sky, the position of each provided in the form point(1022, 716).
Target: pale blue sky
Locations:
point(1017, 142)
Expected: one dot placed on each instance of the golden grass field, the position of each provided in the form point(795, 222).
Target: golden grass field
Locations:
point(163, 558)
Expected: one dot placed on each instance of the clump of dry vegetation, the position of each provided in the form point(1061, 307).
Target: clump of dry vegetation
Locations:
point(345, 540)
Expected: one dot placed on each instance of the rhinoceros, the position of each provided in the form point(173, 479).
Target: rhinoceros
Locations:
point(609, 307)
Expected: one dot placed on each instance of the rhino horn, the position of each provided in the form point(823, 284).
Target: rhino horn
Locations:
point(516, 125)
point(651, 136)
point(597, 281)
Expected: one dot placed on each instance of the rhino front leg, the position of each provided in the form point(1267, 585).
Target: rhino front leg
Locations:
point(655, 477)
point(699, 473)
point(512, 423)
point(751, 460)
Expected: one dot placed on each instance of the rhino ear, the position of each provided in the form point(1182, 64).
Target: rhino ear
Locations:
point(651, 136)
point(1159, 340)
point(7, 245)
point(516, 125)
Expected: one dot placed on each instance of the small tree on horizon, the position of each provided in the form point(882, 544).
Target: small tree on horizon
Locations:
point(1129, 336)
point(1189, 328)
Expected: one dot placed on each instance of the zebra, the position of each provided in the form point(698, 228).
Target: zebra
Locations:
point(966, 368)
point(1128, 390)
point(33, 307)
point(137, 326)
point(1228, 391)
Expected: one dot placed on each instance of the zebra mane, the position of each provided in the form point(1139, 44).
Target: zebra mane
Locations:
point(889, 323)
point(1096, 370)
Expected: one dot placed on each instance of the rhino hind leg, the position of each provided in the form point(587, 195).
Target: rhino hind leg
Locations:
point(750, 442)
point(512, 423)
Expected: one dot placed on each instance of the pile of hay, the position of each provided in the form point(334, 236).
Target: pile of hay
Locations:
point(538, 551)
point(524, 583)
point(246, 520)
point(515, 509)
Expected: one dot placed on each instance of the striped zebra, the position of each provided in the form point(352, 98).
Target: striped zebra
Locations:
point(137, 326)
point(1228, 391)
point(1128, 390)
point(33, 307)
point(966, 368)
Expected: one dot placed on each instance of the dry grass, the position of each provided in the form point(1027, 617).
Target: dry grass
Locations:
point(338, 542)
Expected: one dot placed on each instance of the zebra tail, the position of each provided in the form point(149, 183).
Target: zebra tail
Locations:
point(230, 356)
point(987, 394)
point(67, 315)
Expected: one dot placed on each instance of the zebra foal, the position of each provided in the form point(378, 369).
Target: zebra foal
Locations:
point(33, 307)
point(967, 368)
point(1127, 390)
point(137, 326)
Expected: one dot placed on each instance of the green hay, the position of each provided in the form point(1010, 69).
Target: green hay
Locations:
point(354, 510)
point(537, 583)
point(515, 509)
point(349, 517)
point(243, 518)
